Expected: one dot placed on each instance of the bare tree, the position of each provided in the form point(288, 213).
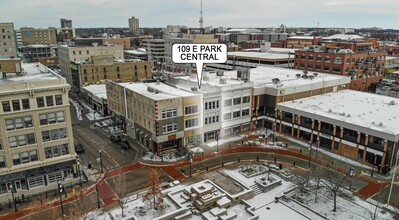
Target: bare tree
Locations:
point(317, 176)
point(80, 208)
point(374, 209)
point(121, 191)
point(334, 182)
point(154, 195)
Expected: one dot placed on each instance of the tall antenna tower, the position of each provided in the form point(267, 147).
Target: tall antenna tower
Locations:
point(201, 19)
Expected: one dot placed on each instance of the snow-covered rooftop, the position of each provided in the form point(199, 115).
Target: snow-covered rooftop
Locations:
point(32, 72)
point(346, 37)
point(261, 55)
point(262, 77)
point(98, 90)
point(303, 37)
point(160, 91)
point(360, 111)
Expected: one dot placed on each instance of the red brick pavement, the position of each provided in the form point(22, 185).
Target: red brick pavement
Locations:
point(108, 196)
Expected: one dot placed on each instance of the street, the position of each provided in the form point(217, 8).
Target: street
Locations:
point(94, 139)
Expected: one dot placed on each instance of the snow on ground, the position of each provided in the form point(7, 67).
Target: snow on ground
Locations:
point(78, 109)
point(197, 150)
point(94, 116)
point(171, 157)
point(225, 140)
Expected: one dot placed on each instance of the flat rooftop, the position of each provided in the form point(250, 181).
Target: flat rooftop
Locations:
point(266, 56)
point(262, 77)
point(97, 90)
point(360, 111)
point(164, 91)
point(32, 72)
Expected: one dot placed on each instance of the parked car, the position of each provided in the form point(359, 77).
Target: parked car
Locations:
point(116, 137)
point(79, 148)
point(125, 145)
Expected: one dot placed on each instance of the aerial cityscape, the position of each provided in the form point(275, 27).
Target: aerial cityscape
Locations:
point(213, 110)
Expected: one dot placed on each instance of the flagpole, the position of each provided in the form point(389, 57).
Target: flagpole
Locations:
point(393, 177)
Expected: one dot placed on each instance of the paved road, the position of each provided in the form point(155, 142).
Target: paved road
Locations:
point(94, 139)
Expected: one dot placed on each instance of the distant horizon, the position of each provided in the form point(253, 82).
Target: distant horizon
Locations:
point(227, 13)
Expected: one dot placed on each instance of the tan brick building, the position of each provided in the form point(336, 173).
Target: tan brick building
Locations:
point(12, 65)
point(81, 54)
point(102, 67)
point(31, 36)
point(8, 44)
point(36, 139)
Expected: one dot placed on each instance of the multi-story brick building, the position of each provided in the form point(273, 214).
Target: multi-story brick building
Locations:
point(364, 66)
point(36, 140)
point(8, 42)
point(156, 115)
point(361, 126)
point(103, 67)
point(31, 36)
point(81, 54)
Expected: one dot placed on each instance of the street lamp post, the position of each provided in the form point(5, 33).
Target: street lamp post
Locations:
point(310, 157)
point(101, 161)
point(13, 198)
point(98, 197)
point(217, 141)
point(80, 174)
point(60, 190)
point(351, 173)
point(375, 161)
point(190, 157)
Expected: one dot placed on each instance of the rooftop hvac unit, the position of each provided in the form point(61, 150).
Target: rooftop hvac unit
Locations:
point(194, 89)
point(276, 80)
point(311, 77)
point(315, 74)
point(219, 73)
point(150, 89)
point(223, 81)
point(243, 73)
point(298, 75)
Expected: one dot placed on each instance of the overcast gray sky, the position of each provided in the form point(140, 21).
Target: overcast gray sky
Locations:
point(227, 13)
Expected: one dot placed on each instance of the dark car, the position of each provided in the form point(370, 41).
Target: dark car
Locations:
point(116, 137)
point(79, 148)
point(125, 145)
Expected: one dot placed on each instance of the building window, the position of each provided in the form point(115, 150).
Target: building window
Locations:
point(327, 68)
point(246, 99)
point(191, 122)
point(55, 134)
point(236, 114)
point(18, 123)
point(191, 109)
point(245, 127)
point(337, 69)
point(303, 57)
point(310, 66)
point(16, 105)
point(169, 128)
point(319, 58)
point(40, 102)
point(49, 100)
point(25, 104)
point(227, 116)
point(24, 157)
point(337, 60)
point(169, 113)
point(311, 57)
point(58, 100)
point(2, 162)
point(6, 106)
point(245, 112)
point(56, 151)
point(237, 101)
point(21, 140)
point(327, 60)
point(227, 102)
